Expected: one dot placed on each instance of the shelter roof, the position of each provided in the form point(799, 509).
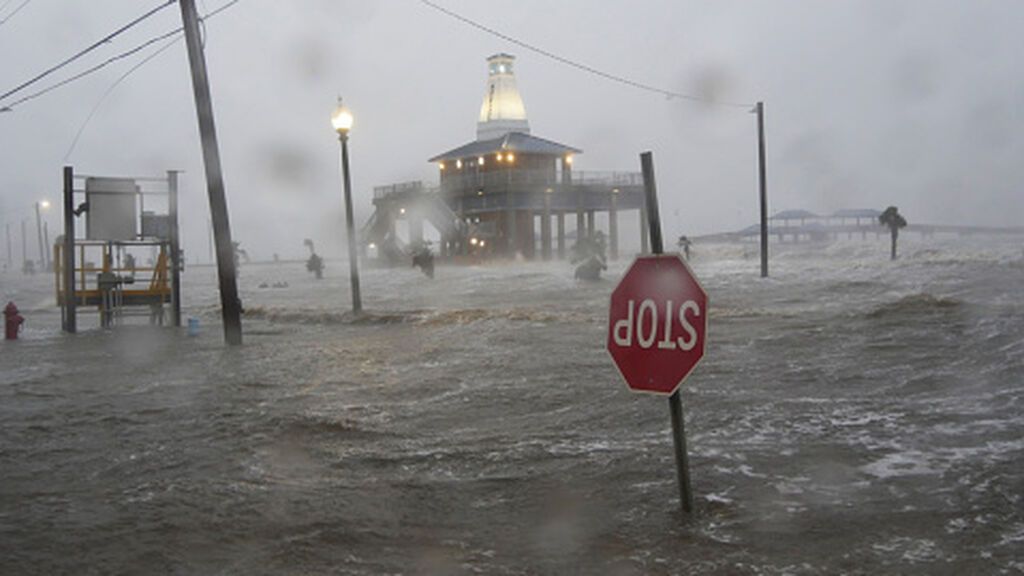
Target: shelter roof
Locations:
point(856, 213)
point(794, 215)
point(511, 142)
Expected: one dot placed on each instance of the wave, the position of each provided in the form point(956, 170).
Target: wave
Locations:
point(321, 316)
point(314, 316)
point(915, 304)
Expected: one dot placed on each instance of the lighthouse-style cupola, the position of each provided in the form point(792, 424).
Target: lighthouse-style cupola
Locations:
point(502, 110)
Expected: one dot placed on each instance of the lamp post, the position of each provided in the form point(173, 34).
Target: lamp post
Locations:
point(43, 259)
point(342, 122)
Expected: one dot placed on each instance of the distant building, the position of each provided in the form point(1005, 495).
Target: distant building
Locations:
point(498, 190)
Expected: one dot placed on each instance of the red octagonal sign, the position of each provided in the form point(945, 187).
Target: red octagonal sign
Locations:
point(657, 323)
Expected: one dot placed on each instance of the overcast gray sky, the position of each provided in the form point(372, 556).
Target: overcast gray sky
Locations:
point(869, 103)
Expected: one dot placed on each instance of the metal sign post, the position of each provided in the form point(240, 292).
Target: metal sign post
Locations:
point(657, 327)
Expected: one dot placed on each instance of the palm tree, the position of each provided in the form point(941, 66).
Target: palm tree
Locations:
point(315, 264)
point(894, 220)
point(684, 243)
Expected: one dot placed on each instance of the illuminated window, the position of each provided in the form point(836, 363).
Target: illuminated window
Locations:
point(480, 161)
point(511, 157)
point(458, 164)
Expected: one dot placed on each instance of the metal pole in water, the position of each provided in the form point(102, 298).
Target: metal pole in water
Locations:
point(350, 229)
point(764, 189)
point(172, 216)
point(24, 246)
point(70, 311)
point(231, 307)
point(674, 402)
point(39, 233)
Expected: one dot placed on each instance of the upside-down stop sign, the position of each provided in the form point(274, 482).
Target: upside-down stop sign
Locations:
point(657, 323)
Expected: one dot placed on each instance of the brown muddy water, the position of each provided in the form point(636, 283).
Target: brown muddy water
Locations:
point(852, 416)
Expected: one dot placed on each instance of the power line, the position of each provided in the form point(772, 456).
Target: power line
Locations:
point(579, 65)
point(128, 73)
point(12, 12)
point(111, 60)
point(90, 48)
point(92, 69)
point(109, 90)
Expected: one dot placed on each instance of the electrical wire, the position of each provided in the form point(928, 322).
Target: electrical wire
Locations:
point(579, 65)
point(12, 12)
point(110, 90)
point(91, 69)
point(140, 64)
point(87, 50)
point(111, 60)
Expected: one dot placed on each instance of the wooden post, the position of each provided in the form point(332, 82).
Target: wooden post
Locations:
point(674, 402)
point(613, 227)
point(175, 239)
point(231, 306)
point(545, 228)
point(561, 235)
point(644, 231)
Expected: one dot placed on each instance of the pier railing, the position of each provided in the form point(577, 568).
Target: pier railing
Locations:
point(500, 181)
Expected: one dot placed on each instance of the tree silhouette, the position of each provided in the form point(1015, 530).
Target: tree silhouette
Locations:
point(589, 253)
point(315, 264)
point(684, 243)
point(894, 220)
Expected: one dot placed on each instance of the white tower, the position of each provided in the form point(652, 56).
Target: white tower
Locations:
point(502, 111)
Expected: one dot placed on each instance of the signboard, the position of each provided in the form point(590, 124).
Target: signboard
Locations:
point(657, 323)
point(112, 213)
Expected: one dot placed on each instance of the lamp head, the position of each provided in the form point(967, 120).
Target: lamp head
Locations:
point(341, 119)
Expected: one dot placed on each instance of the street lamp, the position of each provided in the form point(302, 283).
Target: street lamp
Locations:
point(342, 122)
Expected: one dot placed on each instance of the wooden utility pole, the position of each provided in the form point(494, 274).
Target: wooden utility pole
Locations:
point(231, 306)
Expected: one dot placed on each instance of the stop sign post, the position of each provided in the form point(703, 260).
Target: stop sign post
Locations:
point(657, 325)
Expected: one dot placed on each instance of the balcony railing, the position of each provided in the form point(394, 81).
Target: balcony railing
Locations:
point(502, 180)
point(525, 183)
point(409, 187)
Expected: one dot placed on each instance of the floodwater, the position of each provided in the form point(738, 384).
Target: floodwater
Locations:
point(852, 416)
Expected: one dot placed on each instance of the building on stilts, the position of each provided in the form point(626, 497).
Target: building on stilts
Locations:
point(506, 194)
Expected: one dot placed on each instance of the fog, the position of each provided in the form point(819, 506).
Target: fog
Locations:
point(867, 104)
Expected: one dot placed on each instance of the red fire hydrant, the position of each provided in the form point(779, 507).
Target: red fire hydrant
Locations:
point(12, 321)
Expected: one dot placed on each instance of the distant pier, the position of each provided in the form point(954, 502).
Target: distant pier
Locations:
point(806, 226)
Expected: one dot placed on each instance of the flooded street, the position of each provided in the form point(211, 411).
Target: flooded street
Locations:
point(852, 416)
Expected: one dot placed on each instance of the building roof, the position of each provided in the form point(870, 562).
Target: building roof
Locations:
point(857, 213)
point(794, 215)
point(511, 142)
